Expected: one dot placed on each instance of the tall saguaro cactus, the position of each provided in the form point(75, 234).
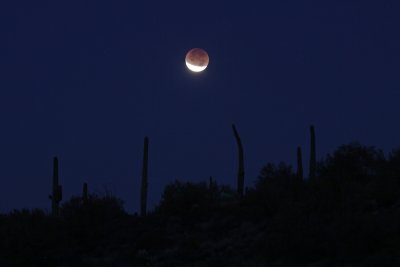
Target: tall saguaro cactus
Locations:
point(240, 178)
point(313, 157)
point(56, 195)
point(299, 164)
point(144, 186)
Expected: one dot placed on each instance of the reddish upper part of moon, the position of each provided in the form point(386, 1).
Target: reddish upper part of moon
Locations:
point(197, 57)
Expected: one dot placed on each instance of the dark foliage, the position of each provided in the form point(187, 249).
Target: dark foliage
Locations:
point(188, 199)
point(354, 162)
point(276, 188)
point(349, 214)
point(96, 209)
point(84, 230)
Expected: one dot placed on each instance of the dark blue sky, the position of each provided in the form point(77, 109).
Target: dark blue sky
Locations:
point(87, 80)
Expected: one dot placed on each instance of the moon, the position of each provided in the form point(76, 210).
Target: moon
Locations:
point(197, 60)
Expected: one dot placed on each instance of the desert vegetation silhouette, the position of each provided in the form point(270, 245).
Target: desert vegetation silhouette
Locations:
point(345, 211)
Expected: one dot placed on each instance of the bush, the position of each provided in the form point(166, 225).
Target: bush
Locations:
point(97, 208)
point(276, 186)
point(188, 199)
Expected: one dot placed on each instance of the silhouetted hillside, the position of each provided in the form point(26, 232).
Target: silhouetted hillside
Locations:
point(348, 214)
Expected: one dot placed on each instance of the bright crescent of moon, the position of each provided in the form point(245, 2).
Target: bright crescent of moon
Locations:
point(195, 68)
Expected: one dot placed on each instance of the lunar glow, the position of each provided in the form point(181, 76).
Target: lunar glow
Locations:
point(197, 60)
point(195, 68)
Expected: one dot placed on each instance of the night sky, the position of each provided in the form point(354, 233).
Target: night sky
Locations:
point(87, 80)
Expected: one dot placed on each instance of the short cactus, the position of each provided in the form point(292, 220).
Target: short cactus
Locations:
point(299, 164)
point(313, 157)
point(85, 193)
point(56, 196)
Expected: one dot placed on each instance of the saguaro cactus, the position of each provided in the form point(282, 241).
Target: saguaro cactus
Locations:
point(85, 193)
point(212, 184)
point(313, 157)
point(240, 178)
point(143, 191)
point(299, 164)
point(56, 195)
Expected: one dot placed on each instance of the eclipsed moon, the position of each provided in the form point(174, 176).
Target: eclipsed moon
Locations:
point(197, 59)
